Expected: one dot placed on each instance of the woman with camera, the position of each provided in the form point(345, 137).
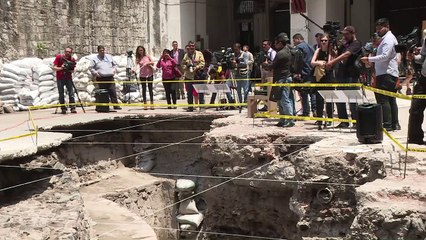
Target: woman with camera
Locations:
point(168, 65)
point(146, 72)
point(322, 75)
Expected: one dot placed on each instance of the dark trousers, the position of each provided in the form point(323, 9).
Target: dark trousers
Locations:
point(144, 83)
point(61, 83)
point(320, 107)
point(189, 90)
point(341, 107)
point(170, 89)
point(389, 107)
point(108, 86)
point(418, 106)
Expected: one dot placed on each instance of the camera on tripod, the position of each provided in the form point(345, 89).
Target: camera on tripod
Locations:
point(332, 28)
point(224, 57)
point(407, 43)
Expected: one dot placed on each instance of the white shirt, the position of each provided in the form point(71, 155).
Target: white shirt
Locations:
point(421, 59)
point(386, 58)
point(271, 54)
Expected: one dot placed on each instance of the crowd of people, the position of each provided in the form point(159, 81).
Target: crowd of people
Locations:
point(333, 59)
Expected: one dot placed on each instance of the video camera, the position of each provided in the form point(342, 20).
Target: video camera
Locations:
point(68, 65)
point(129, 54)
point(332, 28)
point(407, 43)
point(260, 58)
point(224, 57)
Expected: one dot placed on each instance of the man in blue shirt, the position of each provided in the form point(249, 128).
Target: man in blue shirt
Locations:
point(306, 75)
point(387, 73)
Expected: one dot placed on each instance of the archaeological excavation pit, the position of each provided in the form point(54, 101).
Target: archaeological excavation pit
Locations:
point(136, 177)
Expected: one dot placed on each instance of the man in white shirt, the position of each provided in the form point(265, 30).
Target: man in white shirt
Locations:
point(270, 56)
point(387, 73)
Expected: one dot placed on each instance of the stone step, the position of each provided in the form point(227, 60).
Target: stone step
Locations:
point(110, 220)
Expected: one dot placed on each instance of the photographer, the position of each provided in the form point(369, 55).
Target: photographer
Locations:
point(240, 63)
point(387, 73)
point(103, 68)
point(305, 76)
point(418, 106)
point(347, 72)
point(193, 64)
point(64, 65)
point(281, 68)
point(269, 57)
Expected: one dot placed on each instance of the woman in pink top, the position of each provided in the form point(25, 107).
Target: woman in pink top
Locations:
point(146, 66)
point(167, 65)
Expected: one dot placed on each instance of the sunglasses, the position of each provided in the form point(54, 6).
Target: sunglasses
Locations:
point(324, 40)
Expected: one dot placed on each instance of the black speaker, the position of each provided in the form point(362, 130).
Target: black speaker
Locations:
point(102, 96)
point(369, 127)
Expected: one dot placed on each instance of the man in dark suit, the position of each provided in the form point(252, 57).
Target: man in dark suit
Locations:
point(177, 55)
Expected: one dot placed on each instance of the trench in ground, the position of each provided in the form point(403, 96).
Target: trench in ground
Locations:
point(232, 208)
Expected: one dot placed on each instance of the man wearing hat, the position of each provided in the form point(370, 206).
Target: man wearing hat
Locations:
point(281, 74)
point(387, 73)
point(347, 71)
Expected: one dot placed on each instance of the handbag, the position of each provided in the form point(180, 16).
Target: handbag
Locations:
point(276, 94)
point(319, 73)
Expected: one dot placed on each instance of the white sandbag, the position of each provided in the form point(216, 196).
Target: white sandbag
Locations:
point(48, 61)
point(44, 89)
point(27, 63)
point(83, 64)
point(4, 86)
point(10, 91)
point(188, 207)
point(13, 69)
point(46, 77)
point(90, 88)
point(22, 107)
point(121, 78)
point(26, 94)
point(84, 96)
point(10, 102)
point(80, 86)
point(44, 95)
point(84, 79)
point(8, 97)
point(7, 74)
point(191, 219)
point(49, 83)
point(33, 87)
point(120, 60)
point(36, 101)
point(41, 70)
point(185, 185)
point(8, 80)
point(145, 166)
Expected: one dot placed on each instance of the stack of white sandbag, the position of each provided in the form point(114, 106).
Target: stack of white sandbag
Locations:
point(12, 80)
point(82, 79)
point(189, 217)
point(45, 78)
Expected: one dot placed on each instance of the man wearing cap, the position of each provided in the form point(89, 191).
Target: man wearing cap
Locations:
point(347, 71)
point(281, 74)
point(387, 73)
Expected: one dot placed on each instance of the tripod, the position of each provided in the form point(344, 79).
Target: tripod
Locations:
point(78, 97)
point(129, 75)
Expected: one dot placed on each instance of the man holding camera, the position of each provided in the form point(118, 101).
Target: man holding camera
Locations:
point(64, 65)
point(240, 64)
point(281, 70)
point(103, 68)
point(418, 106)
point(347, 71)
point(193, 64)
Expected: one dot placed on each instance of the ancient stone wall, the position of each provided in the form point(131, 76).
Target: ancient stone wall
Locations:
point(29, 27)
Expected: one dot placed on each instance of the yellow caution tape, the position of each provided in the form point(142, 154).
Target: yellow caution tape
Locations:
point(303, 118)
point(387, 93)
point(309, 85)
point(17, 137)
point(394, 140)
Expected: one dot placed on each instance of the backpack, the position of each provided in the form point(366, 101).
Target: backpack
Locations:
point(297, 60)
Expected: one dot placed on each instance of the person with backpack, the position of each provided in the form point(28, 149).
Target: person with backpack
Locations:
point(302, 72)
point(348, 72)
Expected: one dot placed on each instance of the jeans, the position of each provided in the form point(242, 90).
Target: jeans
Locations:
point(242, 88)
point(418, 106)
point(189, 90)
point(286, 103)
point(305, 95)
point(144, 82)
point(61, 83)
point(389, 107)
point(341, 107)
point(169, 88)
